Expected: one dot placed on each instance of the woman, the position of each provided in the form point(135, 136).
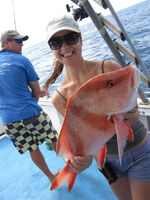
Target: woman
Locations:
point(133, 176)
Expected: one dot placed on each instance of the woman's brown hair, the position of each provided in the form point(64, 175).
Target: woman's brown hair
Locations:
point(58, 68)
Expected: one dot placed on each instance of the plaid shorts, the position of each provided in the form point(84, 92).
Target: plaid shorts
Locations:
point(27, 134)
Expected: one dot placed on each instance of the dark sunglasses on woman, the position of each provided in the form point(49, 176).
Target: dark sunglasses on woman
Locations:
point(70, 39)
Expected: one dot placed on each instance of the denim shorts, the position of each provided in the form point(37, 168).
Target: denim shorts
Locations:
point(135, 164)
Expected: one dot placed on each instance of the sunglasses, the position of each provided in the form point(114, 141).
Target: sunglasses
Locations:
point(70, 39)
point(18, 41)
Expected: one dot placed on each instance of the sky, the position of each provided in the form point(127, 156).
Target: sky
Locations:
point(32, 16)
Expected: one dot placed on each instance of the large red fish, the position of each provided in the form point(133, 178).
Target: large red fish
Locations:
point(87, 126)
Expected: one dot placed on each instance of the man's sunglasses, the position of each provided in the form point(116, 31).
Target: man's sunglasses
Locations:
point(70, 39)
point(18, 41)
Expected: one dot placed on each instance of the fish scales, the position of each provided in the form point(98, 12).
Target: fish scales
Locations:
point(94, 114)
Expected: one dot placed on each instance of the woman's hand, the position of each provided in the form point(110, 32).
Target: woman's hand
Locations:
point(43, 93)
point(132, 117)
point(78, 164)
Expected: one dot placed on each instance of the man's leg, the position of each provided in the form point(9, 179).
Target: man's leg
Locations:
point(39, 160)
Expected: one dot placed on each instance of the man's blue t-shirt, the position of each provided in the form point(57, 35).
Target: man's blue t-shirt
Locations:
point(16, 101)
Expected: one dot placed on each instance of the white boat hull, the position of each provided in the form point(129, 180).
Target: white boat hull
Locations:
point(144, 110)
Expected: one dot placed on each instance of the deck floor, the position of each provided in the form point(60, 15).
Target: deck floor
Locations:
point(20, 179)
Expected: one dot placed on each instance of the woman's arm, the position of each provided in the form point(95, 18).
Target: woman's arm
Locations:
point(59, 103)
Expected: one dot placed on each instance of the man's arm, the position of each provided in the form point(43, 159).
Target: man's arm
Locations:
point(35, 89)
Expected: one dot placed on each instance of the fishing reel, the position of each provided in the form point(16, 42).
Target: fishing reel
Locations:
point(78, 13)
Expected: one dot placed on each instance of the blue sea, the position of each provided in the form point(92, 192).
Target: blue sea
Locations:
point(136, 21)
point(20, 179)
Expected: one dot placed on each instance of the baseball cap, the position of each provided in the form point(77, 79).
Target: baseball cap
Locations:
point(57, 24)
point(12, 35)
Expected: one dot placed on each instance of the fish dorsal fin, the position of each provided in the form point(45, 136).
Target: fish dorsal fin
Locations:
point(124, 133)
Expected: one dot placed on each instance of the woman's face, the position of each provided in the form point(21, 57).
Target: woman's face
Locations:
point(68, 54)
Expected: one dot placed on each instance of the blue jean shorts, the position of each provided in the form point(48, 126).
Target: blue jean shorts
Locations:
point(135, 164)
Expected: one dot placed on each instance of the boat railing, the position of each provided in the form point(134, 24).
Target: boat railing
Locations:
point(102, 24)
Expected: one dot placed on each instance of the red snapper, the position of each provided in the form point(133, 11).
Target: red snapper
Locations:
point(87, 126)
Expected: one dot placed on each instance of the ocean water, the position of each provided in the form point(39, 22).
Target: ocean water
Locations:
point(136, 21)
point(20, 179)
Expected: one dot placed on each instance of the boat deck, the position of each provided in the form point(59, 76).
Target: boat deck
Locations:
point(20, 179)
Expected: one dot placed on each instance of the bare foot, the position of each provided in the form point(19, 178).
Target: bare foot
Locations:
point(53, 176)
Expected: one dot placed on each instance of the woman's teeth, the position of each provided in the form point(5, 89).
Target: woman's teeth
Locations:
point(67, 54)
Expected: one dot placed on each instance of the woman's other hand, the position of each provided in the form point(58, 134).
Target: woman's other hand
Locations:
point(78, 164)
point(43, 93)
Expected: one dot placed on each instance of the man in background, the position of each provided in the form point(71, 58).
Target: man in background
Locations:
point(26, 124)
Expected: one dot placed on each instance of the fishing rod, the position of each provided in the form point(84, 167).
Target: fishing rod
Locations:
point(14, 14)
point(78, 13)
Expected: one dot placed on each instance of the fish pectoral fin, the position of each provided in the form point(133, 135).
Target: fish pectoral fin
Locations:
point(65, 176)
point(100, 157)
point(124, 133)
point(130, 135)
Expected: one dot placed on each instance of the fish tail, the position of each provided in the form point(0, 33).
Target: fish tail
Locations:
point(65, 176)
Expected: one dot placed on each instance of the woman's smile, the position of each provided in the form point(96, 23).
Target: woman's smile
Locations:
point(67, 54)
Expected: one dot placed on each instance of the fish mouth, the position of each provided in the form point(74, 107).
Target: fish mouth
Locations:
point(124, 110)
point(110, 119)
point(113, 112)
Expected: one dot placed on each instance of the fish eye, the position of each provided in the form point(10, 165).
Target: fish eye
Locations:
point(110, 83)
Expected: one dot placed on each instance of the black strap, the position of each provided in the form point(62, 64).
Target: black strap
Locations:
point(108, 172)
point(103, 66)
point(61, 96)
